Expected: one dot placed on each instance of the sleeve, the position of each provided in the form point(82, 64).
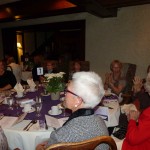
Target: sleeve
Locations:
point(141, 130)
point(11, 79)
point(66, 133)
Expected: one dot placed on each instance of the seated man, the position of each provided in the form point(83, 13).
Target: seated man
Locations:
point(7, 78)
point(16, 68)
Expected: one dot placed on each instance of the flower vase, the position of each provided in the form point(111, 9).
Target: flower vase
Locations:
point(55, 96)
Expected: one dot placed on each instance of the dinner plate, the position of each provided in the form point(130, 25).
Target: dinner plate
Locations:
point(31, 103)
point(45, 94)
point(50, 113)
point(32, 110)
point(17, 96)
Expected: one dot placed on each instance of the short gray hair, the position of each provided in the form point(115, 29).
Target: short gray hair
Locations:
point(89, 86)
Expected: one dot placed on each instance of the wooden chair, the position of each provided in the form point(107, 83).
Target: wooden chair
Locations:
point(89, 144)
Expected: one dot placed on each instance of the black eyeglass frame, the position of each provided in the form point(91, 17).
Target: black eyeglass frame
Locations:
point(66, 90)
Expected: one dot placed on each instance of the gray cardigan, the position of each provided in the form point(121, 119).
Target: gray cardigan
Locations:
point(79, 129)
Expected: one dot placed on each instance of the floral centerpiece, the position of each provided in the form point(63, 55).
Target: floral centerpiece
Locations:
point(55, 82)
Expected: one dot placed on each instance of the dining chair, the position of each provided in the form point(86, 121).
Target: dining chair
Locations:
point(89, 144)
point(128, 71)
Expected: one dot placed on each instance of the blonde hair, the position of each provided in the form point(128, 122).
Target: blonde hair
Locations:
point(115, 62)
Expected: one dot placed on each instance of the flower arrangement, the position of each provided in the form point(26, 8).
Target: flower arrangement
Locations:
point(55, 82)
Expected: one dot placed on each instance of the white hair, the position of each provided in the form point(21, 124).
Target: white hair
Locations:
point(147, 84)
point(89, 86)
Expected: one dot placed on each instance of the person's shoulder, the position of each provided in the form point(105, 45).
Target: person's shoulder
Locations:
point(8, 72)
point(147, 111)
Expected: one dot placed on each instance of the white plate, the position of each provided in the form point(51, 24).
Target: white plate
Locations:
point(19, 96)
point(32, 110)
point(31, 103)
point(49, 112)
point(45, 94)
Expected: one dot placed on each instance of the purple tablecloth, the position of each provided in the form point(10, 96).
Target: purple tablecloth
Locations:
point(46, 101)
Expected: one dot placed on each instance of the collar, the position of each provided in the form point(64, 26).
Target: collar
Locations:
point(80, 112)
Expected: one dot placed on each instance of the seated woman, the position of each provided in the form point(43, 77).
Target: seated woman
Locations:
point(7, 78)
point(138, 133)
point(114, 80)
point(147, 71)
point(83, 93)
point(16, 68)
point(76, 68)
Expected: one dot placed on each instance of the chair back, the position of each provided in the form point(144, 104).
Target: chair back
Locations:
point(89, 144)
point(129, 71)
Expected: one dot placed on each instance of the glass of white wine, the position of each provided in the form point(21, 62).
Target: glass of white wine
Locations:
point(10, 102)
point(38, 107)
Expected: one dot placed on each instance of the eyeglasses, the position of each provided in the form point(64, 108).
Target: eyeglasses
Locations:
point(67, 91)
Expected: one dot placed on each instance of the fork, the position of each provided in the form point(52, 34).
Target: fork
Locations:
point(27, 125)
point(33, 122)
point(46, 126)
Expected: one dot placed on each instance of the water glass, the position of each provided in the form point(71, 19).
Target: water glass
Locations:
point(38, 107)
point(10, 102)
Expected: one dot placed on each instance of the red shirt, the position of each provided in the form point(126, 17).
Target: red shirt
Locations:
point(138, 136)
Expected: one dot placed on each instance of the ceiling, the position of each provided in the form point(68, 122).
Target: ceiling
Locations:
point(12, 10)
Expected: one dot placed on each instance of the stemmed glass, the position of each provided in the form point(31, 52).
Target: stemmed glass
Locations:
point(10, 102)
point(62, 105)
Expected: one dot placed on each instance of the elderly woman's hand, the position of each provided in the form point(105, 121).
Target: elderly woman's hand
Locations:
point(137, 84)
point(133, 115)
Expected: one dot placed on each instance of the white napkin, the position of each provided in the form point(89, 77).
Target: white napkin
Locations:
point(126, 108)
point(31, 83)
point(18, 87)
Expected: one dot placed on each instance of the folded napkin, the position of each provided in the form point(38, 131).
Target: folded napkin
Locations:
point(25, 101)
point(31, 83)
point(126, 108)
point(18, 87)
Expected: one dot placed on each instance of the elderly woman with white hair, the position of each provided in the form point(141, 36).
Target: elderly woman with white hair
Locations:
point(83, 93)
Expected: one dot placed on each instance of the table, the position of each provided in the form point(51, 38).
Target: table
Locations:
point(27, 140)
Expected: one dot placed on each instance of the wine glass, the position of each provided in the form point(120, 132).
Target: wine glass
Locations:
point(38, 107)
point(10, 102)
point(62, 105)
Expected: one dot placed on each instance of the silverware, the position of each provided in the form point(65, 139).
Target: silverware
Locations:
point(46, 126)
point(28, 125)
point(1, 117)
point(33, 122)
